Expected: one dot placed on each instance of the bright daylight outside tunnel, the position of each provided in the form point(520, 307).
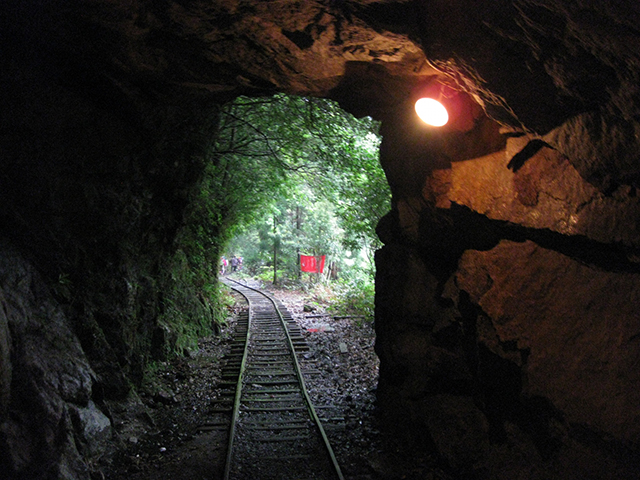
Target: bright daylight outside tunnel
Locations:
point(477, 313)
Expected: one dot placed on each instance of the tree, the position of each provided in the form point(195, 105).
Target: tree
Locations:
point(307, 149)
point(283, 175)
point(269, 149)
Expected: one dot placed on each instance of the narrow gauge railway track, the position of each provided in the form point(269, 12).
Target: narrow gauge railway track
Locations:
point(274, 430)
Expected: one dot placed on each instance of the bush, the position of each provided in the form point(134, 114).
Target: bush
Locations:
point(354, 296)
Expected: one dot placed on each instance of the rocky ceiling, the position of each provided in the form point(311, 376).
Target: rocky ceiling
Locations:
point(534, 65)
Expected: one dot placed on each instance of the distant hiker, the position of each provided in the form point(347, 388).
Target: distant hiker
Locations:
point(223, 265)
point(234, 264)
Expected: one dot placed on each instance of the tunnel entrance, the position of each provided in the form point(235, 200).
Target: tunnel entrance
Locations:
point(293, 178)
point(284, 179)
point(288, 177)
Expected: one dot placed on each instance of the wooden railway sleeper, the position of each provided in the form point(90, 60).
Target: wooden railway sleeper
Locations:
point(264, 347)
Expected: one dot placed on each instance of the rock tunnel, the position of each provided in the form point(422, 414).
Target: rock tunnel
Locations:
point(508, 287)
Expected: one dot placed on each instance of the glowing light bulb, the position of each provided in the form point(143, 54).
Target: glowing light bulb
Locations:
point(432, 112)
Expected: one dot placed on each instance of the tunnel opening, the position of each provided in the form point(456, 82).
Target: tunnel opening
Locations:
point(264, 149)
point(306, 171)
point(285, 176)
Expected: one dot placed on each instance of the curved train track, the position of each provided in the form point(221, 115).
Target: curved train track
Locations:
point(274, 430)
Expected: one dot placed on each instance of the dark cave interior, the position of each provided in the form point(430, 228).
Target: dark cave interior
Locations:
point(508, 285)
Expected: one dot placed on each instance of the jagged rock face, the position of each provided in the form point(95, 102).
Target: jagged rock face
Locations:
point(225, 48)
point(505, 296)
point(50, 424)
point(511, 279)
point(572, 325)
point(557, 61)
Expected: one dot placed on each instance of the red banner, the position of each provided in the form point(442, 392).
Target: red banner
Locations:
point(309, 263)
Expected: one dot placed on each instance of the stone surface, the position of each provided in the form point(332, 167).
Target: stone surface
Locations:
point(410, 150)
point(458, 428)
point(94, 430)
point(507, 380)
point(547, 192)
point(569, 71)
point(51, 383)
point(312, 47)
point(579, 326)
point(5, 362)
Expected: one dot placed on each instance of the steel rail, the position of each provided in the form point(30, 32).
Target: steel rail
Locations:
point(238, 395)
point(311, 410)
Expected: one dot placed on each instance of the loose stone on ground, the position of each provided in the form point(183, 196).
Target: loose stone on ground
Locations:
point(342, 383)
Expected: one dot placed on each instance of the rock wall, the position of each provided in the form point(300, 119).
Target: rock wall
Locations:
point(506, 316)
point(507, 289)
point(94, 180)
point(51, 427)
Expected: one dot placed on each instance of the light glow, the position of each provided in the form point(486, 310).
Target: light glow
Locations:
point(432, 112)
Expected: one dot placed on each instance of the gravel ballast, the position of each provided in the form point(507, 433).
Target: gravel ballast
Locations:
point(166, 440)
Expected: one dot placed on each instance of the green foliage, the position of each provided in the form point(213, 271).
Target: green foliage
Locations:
point(354, 296)
point(283, 175)
point(319, 188)
point(268, 148)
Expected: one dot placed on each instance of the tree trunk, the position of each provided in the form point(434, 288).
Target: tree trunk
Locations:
point(298, 227)
point(275, 252)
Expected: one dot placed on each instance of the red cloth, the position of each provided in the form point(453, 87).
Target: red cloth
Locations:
point(309, 263)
